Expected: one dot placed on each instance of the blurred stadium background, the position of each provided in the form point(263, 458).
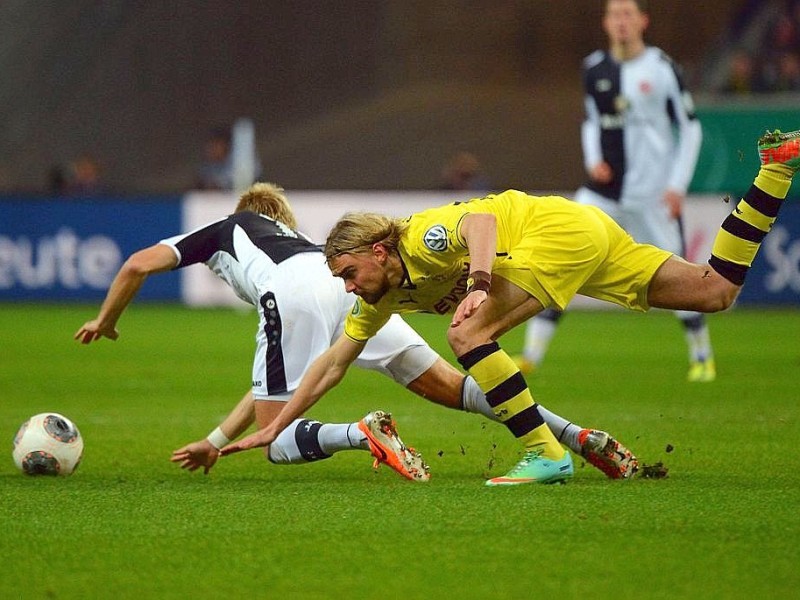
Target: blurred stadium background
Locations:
point(352, 94)
point(358, 104)
point(345, 95)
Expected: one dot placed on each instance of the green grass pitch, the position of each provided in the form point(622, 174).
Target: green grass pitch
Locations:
point(130, 524)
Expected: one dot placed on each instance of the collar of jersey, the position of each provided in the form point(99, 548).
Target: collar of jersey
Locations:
point(405, 282)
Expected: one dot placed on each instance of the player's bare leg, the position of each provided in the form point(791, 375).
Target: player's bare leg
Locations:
point(713, 287)
point(679, 284)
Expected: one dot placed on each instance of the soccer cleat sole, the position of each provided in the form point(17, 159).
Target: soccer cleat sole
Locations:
point(607, 454)
point(506, 481)
point(387, 447)
point(562, 471)
point(775, 147)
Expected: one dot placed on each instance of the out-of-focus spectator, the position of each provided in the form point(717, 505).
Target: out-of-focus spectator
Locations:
point(464, 172)
point(80, 177)
point(57, 180)
point(783, 35)
point(85, 176)
point(773, 64)
point(230, 158)
point(788, 79)
point(216, 171)
point(781, 52)
point(742, 74)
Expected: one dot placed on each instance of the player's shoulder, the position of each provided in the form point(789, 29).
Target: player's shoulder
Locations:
point(435, 229)
point(657, 55)
point(434, 213)
point(662, 62)
point(247, 216)
point(426, 231)
point(594, 59)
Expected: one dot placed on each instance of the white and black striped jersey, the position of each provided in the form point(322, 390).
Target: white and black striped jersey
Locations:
point(301, 307)
point(241, 249)
point(639, 119)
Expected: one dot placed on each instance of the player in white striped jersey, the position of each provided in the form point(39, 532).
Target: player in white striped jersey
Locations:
point(302, 308)
point(640, 144)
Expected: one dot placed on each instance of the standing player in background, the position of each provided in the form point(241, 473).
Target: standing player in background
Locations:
point(302, 309)
point(640, 142)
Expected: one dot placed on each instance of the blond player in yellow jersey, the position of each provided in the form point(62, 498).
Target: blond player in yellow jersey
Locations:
point(497, 261)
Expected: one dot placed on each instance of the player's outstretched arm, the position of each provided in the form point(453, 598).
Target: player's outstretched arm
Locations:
point(124, 288)
point(323, 374)
point(204, 453)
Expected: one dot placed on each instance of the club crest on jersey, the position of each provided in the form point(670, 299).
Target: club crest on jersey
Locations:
point(436, 238)
point(621, 104)
point(603, 85)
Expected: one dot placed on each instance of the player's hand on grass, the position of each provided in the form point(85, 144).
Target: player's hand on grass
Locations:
point(259, 439)
point(196, 455)
point(94, 330)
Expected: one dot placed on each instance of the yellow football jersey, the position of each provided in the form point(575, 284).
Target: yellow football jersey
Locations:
point(436, 262)
point(549, 246)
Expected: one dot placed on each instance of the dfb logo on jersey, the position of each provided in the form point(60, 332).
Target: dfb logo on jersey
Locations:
point(436, 238)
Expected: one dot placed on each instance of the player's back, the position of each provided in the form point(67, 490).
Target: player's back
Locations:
point(246, 250)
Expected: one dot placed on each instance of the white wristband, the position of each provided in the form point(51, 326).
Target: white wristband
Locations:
point(218, 439)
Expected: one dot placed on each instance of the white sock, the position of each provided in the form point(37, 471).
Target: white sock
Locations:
point(305, 441)
point(474, 401)
point(698, 338)
point(334, 437)
point(565, 431)
point(538, 334)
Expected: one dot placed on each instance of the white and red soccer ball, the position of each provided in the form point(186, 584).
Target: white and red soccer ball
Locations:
point(48, 444)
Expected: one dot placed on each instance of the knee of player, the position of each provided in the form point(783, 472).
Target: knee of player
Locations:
point(727, 298)
point(721, 298)
point(459, 339)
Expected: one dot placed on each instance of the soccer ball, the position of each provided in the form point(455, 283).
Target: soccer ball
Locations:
point(48, 444)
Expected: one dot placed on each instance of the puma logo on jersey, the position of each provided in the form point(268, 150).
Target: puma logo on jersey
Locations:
point(409, 300)
point(436, 238)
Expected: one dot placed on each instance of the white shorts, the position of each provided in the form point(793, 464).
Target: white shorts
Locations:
point(299, 321)
point(647, 222)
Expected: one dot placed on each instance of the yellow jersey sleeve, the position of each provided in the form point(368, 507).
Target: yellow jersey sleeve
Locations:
point(364, 321)
point(436, 234)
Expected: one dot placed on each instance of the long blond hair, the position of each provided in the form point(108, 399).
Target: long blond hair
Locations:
point(267, 199)
point(356, 232)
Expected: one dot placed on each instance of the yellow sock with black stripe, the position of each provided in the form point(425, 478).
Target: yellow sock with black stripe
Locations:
point(742, 232)
point(510, 399)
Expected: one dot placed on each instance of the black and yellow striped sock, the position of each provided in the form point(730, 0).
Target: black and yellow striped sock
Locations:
point(510, 399)
point(742, 232)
